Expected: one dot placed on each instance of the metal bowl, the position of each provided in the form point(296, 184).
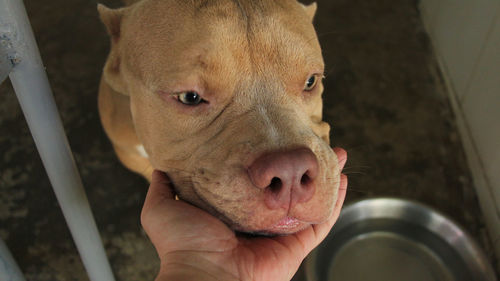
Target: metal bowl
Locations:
point(391, 239)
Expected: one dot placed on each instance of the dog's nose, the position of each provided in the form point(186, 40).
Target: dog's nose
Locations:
point(288, 177)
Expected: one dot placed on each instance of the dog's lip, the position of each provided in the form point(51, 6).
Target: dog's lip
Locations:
point(287, 225)
point(287, 222)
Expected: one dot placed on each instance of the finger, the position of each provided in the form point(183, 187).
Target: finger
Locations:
point(159, 189)
point(341, 156)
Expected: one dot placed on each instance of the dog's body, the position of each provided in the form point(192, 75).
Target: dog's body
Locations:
point(225, 97)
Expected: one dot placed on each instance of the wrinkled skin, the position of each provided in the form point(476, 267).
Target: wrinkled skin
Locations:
point(249, 60)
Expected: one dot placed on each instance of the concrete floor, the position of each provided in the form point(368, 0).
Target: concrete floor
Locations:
point(384, 97)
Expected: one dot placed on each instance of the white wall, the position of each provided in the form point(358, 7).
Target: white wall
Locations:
point(466, 38)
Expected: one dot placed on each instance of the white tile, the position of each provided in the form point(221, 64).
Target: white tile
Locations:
point(459, 30)
point(482, 109)
point(484, 190)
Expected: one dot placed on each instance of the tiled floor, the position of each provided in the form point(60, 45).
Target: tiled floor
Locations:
point(384, 97)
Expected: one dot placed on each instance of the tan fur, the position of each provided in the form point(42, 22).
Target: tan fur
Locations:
point(249, 59)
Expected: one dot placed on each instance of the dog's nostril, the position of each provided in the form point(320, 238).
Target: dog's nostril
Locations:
point(305, 179)
point(275, 185)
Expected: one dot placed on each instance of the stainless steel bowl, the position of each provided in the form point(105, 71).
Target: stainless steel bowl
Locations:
point(392, 239)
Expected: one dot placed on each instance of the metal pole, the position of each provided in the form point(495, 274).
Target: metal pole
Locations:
point(33, 91)
point(9, 270)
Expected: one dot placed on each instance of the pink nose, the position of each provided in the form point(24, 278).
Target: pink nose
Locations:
point(288, 177)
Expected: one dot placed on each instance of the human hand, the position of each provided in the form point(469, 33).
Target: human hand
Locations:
point(194, 245)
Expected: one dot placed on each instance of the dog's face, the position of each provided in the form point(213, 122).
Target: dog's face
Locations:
point(226, 99)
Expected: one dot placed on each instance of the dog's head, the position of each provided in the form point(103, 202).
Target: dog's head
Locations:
point(226, 98)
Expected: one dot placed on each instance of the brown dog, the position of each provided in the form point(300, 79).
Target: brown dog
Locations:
point(225, 97)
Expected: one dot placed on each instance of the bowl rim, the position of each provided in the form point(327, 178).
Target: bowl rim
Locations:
point(416, 213)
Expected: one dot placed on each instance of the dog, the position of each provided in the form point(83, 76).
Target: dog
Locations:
point(225, 97)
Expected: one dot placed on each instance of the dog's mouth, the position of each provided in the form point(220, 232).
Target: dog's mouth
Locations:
point(283, 226)
point(275, 224)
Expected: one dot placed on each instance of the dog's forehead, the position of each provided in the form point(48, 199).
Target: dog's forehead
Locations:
point(231, 37)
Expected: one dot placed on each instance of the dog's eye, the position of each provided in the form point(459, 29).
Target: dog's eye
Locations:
point(311, 83)
point(189, 98)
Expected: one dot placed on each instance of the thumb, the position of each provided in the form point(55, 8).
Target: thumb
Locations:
point(160, 189)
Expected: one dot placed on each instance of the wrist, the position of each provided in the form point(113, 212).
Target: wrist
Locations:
point(193, 266)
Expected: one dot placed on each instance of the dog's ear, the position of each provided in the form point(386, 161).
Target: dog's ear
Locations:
point(112, 19)
point(310, 9)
